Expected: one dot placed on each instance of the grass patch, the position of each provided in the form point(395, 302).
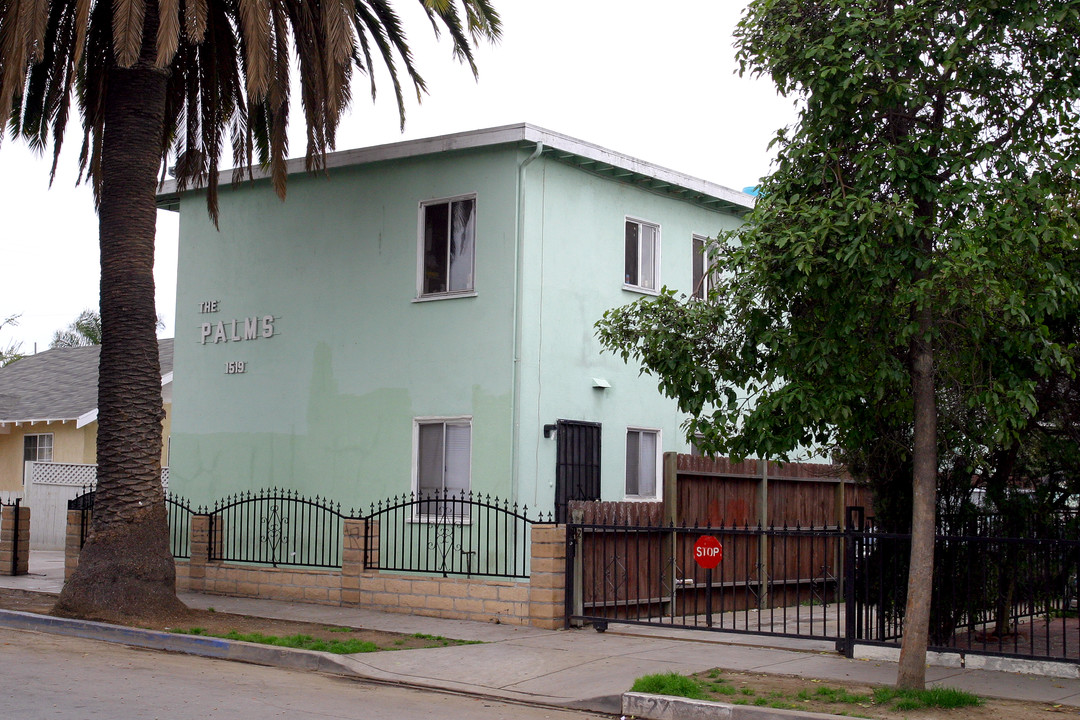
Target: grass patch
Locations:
point(346, 646)
point(440, 640)
point(301, 642)
point(712, 685)
point(833, 695)
point(945, 698)
point(670, 684)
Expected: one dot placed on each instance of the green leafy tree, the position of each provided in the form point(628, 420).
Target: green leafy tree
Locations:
point(151, 78)
point(905, 259)
point(13, 350)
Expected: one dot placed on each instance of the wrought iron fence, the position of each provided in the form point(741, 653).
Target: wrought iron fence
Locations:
point(449, 534)
point(276, 527)
point(991, 595)
point(178, 508)
point(774, 581)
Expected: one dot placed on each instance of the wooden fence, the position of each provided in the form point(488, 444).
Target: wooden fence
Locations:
point(764, 563)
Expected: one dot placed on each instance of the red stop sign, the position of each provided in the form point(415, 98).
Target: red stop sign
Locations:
point(708, 552)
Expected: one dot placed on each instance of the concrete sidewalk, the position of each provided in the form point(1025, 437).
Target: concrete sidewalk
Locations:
point(576, 668)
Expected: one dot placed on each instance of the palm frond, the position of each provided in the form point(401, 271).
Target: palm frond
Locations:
point(168, 32)
point(39, 15)
point(128, 18)
point(14, 55)
point(255, 31)
point(195, 12)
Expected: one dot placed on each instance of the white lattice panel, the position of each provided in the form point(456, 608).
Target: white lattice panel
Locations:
point(63, 474)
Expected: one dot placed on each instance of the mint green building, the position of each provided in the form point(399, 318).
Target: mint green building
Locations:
point(421, 317)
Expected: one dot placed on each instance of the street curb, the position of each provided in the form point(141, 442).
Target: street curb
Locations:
point(290, 658)
point(666, 707)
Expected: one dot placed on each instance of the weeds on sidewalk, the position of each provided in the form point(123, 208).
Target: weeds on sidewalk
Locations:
point(778, 693)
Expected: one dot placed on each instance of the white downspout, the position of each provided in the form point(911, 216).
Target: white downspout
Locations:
point(519, 301)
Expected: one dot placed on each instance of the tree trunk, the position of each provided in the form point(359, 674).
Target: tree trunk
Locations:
point(912, 671)
point(126, 567)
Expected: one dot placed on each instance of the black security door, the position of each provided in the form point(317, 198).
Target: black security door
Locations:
point(577, 464)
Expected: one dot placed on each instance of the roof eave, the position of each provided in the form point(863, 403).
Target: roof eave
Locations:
point(562, 147)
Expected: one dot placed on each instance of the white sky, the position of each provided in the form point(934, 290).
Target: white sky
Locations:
point(655, 81)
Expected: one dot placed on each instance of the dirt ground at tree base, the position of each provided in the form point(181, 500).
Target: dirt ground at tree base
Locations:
point(751, 688)
point(217, 623)
point(782, 691)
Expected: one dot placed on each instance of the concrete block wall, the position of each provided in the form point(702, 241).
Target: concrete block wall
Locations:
point(538, 601)
point(14, 542)
point(73, 541)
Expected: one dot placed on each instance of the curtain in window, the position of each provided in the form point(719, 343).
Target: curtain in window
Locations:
point(648, 257)
point(430, 460)
point(462, 244)
point(640, 463)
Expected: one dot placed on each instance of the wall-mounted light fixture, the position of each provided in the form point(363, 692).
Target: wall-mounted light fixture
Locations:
point(600, 383)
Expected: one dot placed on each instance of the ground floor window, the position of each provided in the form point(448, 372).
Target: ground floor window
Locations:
point(38, 448)
point(642, 462)
point(443, 461)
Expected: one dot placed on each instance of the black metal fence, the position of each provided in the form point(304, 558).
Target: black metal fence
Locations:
point(774, 581)
point(450, 534)
point(276, 527)
point(459, 534)
point(1004, 596)
point(178, 508)
point(991, 595)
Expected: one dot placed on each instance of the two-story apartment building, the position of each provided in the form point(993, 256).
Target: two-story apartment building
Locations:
point(421, 317)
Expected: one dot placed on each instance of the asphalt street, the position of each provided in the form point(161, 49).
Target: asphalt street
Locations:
point(52, 676)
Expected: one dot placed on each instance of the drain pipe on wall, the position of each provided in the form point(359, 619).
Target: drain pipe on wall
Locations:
point(519, 301)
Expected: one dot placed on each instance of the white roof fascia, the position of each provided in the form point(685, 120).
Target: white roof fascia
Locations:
point(32, 421)
point(86, 418)
point(166, 378)
point(507, 134)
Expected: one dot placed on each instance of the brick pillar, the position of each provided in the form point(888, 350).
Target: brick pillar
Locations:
point(352, 560)
point(14, 542)
point(547, 580)
point(73, 541)
point(200, 552)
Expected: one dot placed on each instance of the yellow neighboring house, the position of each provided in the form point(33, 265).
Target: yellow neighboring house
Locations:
point(48, 409)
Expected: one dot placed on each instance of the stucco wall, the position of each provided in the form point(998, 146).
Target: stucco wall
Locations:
point(575, 263)
point(326, 404)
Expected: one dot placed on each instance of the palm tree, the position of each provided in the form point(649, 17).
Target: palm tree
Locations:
point(83, 331)
point(151, 78)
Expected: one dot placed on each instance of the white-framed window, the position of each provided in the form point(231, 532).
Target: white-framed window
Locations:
point(643, 469)
point(642, 256)
point(38, 448)
point(442, 463)
point(703, 280)
point(447, 252)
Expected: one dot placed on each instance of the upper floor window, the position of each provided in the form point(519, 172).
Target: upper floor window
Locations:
point(703, 280)
point(38, 448)
point(642, 463)
point(642, 256)
point(447, 246)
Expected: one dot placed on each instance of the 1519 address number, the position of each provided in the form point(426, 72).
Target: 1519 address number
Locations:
point(235, 368)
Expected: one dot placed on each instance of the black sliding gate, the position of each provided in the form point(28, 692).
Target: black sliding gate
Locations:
point(1014, 597)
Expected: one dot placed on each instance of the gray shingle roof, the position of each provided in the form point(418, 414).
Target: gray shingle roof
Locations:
point(59, 384)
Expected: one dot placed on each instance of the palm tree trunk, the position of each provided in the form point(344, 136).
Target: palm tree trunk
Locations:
point(126, 567)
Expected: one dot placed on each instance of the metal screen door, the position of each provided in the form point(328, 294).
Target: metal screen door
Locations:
point(577, 464)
